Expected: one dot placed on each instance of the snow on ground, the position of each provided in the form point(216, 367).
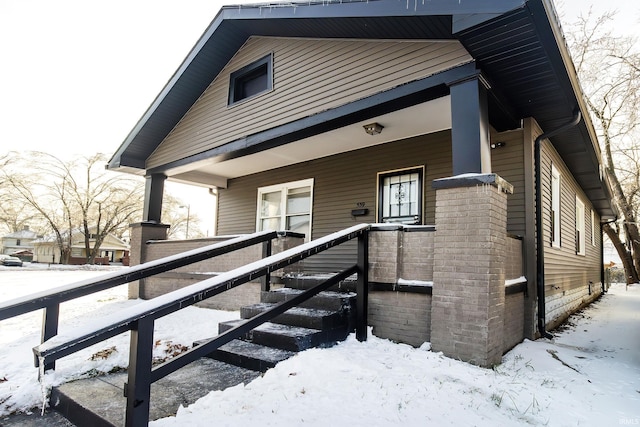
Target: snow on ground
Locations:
point(19, 388)
point(588, 375)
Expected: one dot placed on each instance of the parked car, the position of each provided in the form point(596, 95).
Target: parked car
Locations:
point(12, 261)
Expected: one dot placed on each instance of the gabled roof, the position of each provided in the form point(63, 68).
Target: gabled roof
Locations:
point(517, 43)
point(76, 233)
point(22, 234)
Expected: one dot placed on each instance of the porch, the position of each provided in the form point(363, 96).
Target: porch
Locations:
point(426, 283)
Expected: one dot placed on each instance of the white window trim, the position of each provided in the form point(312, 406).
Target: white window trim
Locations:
point(556, 206)
point(284, 187)
point(580, 226)
point(593, 228)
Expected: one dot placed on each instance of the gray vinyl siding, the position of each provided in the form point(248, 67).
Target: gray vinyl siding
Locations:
point(340, 183)
point(343, 181)
point(310, 76)
point(564, 269)
point(508, 163)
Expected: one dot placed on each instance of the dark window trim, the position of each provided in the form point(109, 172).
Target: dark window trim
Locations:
point(238, 75)
point(381, 176)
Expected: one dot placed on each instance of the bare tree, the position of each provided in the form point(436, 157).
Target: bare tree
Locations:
point(609, 69)
point(181, 218)
point(76, 196)
point(14, 214)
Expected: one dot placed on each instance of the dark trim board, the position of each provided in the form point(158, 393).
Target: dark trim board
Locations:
point(396, 287)
point(410, 94)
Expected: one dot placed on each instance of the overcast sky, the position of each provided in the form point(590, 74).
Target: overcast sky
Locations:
point(76, 75)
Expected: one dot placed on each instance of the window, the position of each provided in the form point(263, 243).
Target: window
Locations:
point(400, 196)
point(593, 228)
point(286, 207)
point(579, 226)
point(555, 207)
point(18, 242)
point(251, 80)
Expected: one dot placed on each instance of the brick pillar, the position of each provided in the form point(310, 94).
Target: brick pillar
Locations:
point(141, 233)
point(385, 256)
point(469, 267)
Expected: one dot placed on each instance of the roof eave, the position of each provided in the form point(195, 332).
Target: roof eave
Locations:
point(132, 147)
point(602, 196)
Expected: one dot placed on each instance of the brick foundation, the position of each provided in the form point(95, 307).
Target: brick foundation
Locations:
point(400, 316)
point(468, 298)
point(143, 250)
point(141, 233)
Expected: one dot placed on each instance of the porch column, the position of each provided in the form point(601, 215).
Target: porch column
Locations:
point(470, 126)
point(141, 233)
point(467, 312)
point(153, 193)
point(149, 229)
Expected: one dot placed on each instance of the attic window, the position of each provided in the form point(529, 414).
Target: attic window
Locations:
point(251, 80)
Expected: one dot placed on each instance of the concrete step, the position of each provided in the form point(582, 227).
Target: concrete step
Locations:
point(100, 401)
point(307, 281)
point(327, 300)
point(290, 338)
point(299, 316)
point(249, 355)
point(295, 338)
point(35, 419)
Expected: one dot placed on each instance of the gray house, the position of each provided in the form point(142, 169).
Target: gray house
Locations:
point(435, 120)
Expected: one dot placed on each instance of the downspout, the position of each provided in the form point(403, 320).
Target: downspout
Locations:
point(539, 234)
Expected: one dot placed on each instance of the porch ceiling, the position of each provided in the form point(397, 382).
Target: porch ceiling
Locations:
point(428, 117)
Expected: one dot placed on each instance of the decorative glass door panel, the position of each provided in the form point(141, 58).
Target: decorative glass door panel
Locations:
point(400, 197)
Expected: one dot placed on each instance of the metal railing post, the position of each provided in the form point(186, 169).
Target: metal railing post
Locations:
point(266, 252)
point(50, 316)
point(362, 286)
point(138, 387)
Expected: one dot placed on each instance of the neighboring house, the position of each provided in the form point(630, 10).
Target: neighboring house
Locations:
point(314, 116)
point(19, 243)
point(112, 249)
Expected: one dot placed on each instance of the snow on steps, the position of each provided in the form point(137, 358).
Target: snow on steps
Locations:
point(320, 322)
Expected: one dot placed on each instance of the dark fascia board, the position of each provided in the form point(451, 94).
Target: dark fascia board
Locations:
point(150, 130)
point(234, 24)
point(119, 159)
point(468, 11)
point(547, 22)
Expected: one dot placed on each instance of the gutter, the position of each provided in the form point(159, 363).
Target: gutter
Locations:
point(539, 234)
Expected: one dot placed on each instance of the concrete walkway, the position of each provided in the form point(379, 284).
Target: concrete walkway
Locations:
point(103, 395)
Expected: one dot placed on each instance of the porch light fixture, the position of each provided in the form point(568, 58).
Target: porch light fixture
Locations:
point(495, 145)
point(373, 128)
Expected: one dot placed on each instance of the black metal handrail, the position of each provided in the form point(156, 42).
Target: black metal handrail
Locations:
point(140, 318)
point(51, 299)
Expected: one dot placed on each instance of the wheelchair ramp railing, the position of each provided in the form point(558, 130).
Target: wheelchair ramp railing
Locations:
point(140, 318)
point(51, 299)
